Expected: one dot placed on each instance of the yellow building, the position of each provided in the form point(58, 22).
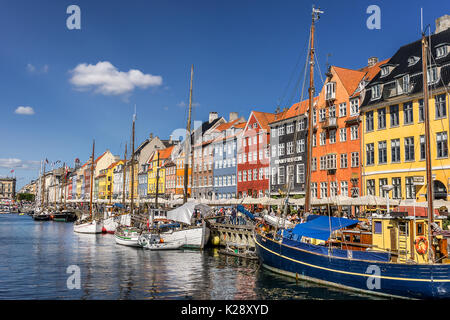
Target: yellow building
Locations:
point(102, 184)
point(393, 129)
point(135, 179)
point(110, 178)
point(157, 171)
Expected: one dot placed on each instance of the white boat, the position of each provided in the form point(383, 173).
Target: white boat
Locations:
point(193, 236)
point(155, 242)
point(91, 227)
point(127, 236)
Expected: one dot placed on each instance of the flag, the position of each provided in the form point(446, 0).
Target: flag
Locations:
point(12, 170)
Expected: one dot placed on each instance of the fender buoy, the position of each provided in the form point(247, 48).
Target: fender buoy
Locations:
point(161, 240)
point(421, 249)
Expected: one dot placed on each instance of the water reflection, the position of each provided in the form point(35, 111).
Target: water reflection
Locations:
point(35, 256)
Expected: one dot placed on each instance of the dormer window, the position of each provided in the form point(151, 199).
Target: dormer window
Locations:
point(412, 60)
point(384, 71)
point(441, 50)
point(432, 75)
point(376, 91)
point(330, 90)
point(403, 85)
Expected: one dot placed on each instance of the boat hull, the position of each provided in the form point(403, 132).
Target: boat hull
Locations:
point(194, 237)
point(372, 277)
point(126, 238)
point(92, 227)
point(110, 225)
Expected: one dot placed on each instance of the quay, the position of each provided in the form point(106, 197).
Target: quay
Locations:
point(226, 233)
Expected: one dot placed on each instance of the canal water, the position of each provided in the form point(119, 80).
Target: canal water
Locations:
point(35, 258)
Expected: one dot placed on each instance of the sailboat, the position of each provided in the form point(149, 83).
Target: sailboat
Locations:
point(89, 225)
point(40, 213)
point(321, 249)
point(124, 234)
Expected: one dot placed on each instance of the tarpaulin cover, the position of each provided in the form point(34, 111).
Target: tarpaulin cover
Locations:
point(318, 227)
point(118, 205)
point(244, 211)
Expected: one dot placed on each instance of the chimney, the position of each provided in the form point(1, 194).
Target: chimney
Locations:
point(233, 116)
point(151, 135)
point(213, 116)
point(170, 139)
point(442, 23)
point(372, 61)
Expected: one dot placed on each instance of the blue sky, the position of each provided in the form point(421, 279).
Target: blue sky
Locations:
point(247, 55)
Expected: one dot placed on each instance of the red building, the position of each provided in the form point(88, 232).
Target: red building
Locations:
point(254, 156)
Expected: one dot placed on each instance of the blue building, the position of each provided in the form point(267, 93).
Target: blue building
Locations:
point(225, 159)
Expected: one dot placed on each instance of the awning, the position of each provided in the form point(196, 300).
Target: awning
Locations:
point(247, 213)
point(318, 227)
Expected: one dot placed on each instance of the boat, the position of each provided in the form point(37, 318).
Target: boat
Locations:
point(397, 256)
point(64, 216)
point(127, 236)
point(153, 241)
point(89, 225)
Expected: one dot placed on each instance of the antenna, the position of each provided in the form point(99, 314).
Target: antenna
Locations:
point(421, 20)
point(315, 13)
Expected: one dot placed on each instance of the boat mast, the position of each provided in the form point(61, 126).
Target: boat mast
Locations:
point(427, 146)
point(92, 179)
point(315, 16)
point(43, 188)
point(132, 170)
point(124, 177)
point(157, 181)
point(188, 143)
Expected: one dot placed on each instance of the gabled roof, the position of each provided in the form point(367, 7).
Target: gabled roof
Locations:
point(112, 165)
point(295, 110)
point(263, 118)
point(350, 79)
point(165, 153)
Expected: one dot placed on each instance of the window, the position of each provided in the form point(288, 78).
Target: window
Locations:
point(333, 188)
point(239, 176)
point(274, 151)
point(371, 187)
point(370, 154)
point(323, 138)
point(323, 190)
point(300, 173)
point(405, 84)
point(323, 163)
point(331, 161)
point(343, 109)
point(281, 176)
point(410, 188)
point(290, 147)
point(376, 91)
point(274, 175)
point(384, 71)
point(432, 75)
point(408, 113)
point(314, 189)
point(382, 152)
point(422, 148)
point(281, 149)
point(382, 118)
point(314, 164)
point(344, 188)
point(441, 111)
point(244, 175)
point(395, 150)
point(332, 111)
point(332, 136)
point(330, 90)
point(442, 144)
point(290, 173)
point(314, 137)
point(290, 128)
point(441, 51)
point(281, 130)
point(393, 110)
point(382, 182)
point(409, 149)
point(355, 159)
point(344, 161)
point(397, 191)
point(249, 175)
point(421, 111)
point(255, 174)
point(343, 134)
point(301, 125)
point(377, 228)
point(322, 114)
point(354, 132)
point(354, 107)
point(369, 121)
point(301, 145)
point(261, 173)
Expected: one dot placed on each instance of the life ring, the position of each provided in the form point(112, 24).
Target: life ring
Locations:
point(421, 249)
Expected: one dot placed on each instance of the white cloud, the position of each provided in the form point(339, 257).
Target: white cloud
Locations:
point(24, 110)
point(183, 104)
point(31, 68)
point(19, 164)
point(104, 78)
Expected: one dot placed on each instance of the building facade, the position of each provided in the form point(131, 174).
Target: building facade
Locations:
point(7, 188)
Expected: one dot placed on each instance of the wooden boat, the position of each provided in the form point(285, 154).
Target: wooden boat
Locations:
point(127, 236)
point(153, 241)
point(394, 263)
point(64, 216)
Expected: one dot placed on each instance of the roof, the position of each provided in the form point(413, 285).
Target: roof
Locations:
point(350, 79)
point(165, 153)
point(264, 118)
point(112, 165)
point(295, 110)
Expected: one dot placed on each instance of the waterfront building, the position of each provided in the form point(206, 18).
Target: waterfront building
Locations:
point(336, 165)
point(118, 176)
point(393, 144)
point(253, 157)
point(179, 158)
point(102, 184)
point(156, 171)
point(110, 179)
point(288, 150)
point(7, 188)
point(202, 154)
point(224, 161)
point(171, 178)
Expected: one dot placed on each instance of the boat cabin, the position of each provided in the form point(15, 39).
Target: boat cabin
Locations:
point(406, 237)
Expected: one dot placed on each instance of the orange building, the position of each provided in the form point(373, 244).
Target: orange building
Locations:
point(336, 158)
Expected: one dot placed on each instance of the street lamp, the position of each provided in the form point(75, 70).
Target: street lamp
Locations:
point(387, 188)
